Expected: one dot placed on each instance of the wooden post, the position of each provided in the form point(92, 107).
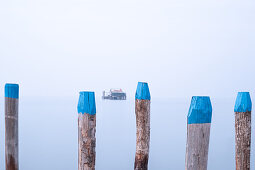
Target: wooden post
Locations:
point(87, 131)
point(242, 110)
point(11, 127)
point(142, 111)
point(198, 133)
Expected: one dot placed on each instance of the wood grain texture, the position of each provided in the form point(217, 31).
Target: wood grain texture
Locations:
point(87, 141)
point(197, 146)
point(11, 134)
point(243, 140)
point(142, 110)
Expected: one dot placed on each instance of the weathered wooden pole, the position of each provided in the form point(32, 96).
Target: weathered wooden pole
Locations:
point(242, 110)
point(11, 127)
point(198, 133)
point(142, 111)
point(87, 131)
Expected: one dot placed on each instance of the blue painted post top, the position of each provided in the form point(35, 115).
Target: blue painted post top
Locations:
point(200, 110)
point(142, 91)
point(243, 102)
point(87, 103)
point(12, 90)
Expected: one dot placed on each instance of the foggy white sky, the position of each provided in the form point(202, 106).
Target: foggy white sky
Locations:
point(180, 47)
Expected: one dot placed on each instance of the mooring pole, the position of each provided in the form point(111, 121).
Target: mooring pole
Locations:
point(242, 110)
point(142, 111)
point(87, 131)
point(11, 127)
point(198, 133)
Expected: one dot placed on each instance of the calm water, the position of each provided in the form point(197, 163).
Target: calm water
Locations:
point(48, 134)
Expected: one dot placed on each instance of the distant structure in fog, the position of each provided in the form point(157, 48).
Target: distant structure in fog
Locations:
point(114, 94)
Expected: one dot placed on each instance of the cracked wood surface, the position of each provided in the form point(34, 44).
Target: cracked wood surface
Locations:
point(11, 134)
point(142, 110)
point(243, 140)
point(197, 146)
point(87, 141)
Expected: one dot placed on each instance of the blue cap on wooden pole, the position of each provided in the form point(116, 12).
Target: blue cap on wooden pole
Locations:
point(200, 110)
point(87, 103)
point(243, 102)
point(12, 90)
point(142, 91)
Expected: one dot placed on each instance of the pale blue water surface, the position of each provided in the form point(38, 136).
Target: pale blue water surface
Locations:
point(48, 134)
